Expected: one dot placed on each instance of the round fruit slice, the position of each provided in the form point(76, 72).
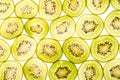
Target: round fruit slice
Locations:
point(97, 6)
point(62, 28)
point(37, 28)
point(49, 50)
point(50, 9)
point(76, 49)
point(4, 50)
point(115, 4)
point(89, 26)
point(6, 8)
point(26, 9)
point(35, 69)
point(23, 47)
point(104, 48)
point(112, 23)
point(11, 28)
point(112, 70)
point(90, 70)
point(62, 70)
point(11, 70)
point(74, 8)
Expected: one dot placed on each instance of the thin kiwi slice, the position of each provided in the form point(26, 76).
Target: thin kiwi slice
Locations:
point(62, 70)
point(4, 50)
point(104, 48)
point(26, 9)
point(11, 27)
point(11, 70)
point(6, 8)
point(49, 50)
point(90, 70)
point(115, 4)
point(74, 8)
point(23, 47)
point(89, 26)
point(97, 6)
point(112, 70)
point(36, 28)
point(62, 28)
point(76, 49)
point(50, 9)
point(35, 69)
point(112, 23)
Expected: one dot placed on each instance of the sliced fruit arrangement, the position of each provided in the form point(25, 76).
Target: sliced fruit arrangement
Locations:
point(115, 4)
point(90, 70)
point(112, 70)
point(62, 28)
point(23, 47)
point(76, 49)
point(11, 70)
point(112, 23)
point(104, 48)
point(6, 8)
point(62, 70)
point(11, 27)
point(49, 50)
point(74, 8)
point(37, 28)
point(26, 9)
point(35, 69)
point(97, 6)
point(50, 9)
point(89, 26)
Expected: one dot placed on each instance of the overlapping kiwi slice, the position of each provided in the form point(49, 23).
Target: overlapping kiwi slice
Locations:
point(37, 28)
point(115, 4)
point(112, 70)
point(89, 26)
point(49, 50)
point(6, 8)
point(11, 70)
point(62, 28)
point(74, 7)
point(11, 27)
point(62, 70)
point(90, 70)
point(97, 6)
point(35, 69)
point(112, 23)
point(26, 9)
point(104, 48)
point(50, 9)
point(76, 49)
point(23, 47)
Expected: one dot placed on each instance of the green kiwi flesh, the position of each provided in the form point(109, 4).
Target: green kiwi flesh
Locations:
point(115, 4)
point(76, 49)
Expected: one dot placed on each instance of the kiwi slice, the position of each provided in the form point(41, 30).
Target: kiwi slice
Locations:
point(112, 70)
point(104, 48)
point(11, 27)
point(36, 28)
point(62, 70)
point(89, 26)
point(50, 9)
point(23, 47)
point(62, 28)
point(6, 8)
point(90, 70)
point(11, 70)
point(35, 69)
point(115, 4)
point(49, 50)
point(76, 49)
point(112, 23)
point(74, 8)
point(97, 6)
point(26, 9)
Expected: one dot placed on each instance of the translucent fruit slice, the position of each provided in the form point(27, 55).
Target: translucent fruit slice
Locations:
point(76, 49)
point(37, 28)
point(115, 4)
